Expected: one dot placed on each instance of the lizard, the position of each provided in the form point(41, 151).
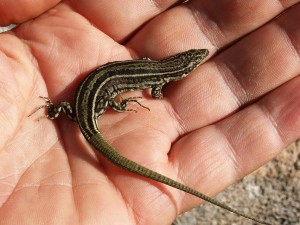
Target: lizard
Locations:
point(99, 90)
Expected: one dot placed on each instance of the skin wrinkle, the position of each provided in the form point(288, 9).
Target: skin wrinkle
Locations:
point(135, 213)
point(200, 16)
point(114, 138)
point(9, 184)
point(52, 175)
point(128, 207)
point(137, 217)
point(34, 73)
point(178, 121)
point(227, 73)
point(236, 159)
point(158, 4)
point(75, 200)
point(267, 113)
point(39, 186)
point(290, 41)
point(281, 4)
point(11, 123)
point(165, 193)
point(174, 116)
point(51, 147)
point(22, 175)
point(231, 154)
point(5, 91)
point(52, 46)
point(288, 38)
point(9, 55)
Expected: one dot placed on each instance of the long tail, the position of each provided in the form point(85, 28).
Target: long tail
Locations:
point(112, 155)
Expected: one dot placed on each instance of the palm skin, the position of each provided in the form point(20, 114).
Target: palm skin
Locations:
point(233, 114)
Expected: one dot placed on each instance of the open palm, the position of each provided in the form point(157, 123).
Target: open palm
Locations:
point(233, 114)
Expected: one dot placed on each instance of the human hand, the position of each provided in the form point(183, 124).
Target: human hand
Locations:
point(233, 114)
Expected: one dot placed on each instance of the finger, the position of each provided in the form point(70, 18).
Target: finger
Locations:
point(246, 71)
point(119, 19)
point(214, 157)
point(12, 11)
point(203, 24)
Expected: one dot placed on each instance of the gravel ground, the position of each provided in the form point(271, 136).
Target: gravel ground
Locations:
point(271, 193)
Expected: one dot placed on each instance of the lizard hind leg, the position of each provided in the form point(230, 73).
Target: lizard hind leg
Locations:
point(54, 111)
point(121, 106)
